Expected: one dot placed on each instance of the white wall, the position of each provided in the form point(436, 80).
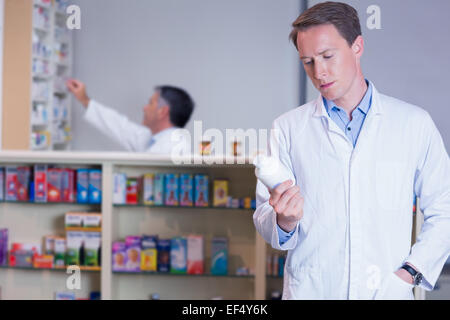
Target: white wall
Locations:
point(234, 57)
point(409, 57)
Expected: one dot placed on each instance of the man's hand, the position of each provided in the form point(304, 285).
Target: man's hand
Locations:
point(78, 89)
point(288, 205)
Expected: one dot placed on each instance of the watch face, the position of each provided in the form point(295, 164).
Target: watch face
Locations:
point(418, 279)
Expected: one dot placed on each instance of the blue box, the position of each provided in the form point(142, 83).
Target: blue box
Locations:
point(186, 190)
point(171, 191)
point(219, 260)
point(159, 189)
point(178, 255)
point(95, 186)
point(82, 185)
point(164, 255)
point(201, 193)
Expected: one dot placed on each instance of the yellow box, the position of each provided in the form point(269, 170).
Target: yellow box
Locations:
point(149, 260)
point(220, 193)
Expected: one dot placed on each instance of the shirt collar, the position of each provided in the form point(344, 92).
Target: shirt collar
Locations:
point(363, 106)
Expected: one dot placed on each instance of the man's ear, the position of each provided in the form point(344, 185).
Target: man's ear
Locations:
point(164, 112)
point(358, 46)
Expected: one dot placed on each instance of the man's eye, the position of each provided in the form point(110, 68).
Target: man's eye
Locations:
point(328, 57)
point(307, 62)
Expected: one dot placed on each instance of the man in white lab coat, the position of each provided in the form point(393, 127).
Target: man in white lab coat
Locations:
point(358, 159)
point(168, 109)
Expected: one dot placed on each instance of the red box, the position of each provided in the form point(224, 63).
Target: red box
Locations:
point(11, 184)
point(54, 188)
point(23, 179)
point(40, 183)
point(68, 185)
point(132, 190)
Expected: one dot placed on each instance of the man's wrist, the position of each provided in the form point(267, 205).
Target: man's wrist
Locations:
point(85, 102)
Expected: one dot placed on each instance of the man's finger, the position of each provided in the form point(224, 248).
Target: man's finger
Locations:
point(281, 205)
point(276, 193)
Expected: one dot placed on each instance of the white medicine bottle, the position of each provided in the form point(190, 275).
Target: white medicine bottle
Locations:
point(270, 171)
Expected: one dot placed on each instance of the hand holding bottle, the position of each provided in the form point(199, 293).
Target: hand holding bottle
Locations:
point(287, 203)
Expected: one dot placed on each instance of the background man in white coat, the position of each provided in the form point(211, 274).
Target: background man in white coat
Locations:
point(359, 158)
point(169, 108)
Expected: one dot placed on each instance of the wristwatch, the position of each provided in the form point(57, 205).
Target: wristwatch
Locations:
point(417, 276)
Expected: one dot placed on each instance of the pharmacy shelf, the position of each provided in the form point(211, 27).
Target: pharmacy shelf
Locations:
point(246, 247)
point(52, 203)
point(248, 210)
point(82, 268)
point(148, 273)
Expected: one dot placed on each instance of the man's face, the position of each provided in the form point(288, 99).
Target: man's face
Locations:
point(329, 62)
point(151, 114)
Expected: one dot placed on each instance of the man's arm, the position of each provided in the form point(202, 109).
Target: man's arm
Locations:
point(130, 135)
point(432, 186)
point(277, 214)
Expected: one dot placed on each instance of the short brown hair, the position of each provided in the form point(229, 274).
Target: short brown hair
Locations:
point(341, 15)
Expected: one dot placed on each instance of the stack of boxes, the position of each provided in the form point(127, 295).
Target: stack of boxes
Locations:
point(42, 183)
point(179, 255)
point(172, 189)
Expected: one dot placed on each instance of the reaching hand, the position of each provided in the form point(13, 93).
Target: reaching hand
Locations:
point(78, 89)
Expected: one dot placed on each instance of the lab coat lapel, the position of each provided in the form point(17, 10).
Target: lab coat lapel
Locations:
point(371, 123)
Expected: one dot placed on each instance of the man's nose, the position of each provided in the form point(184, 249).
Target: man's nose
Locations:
point(319, 71)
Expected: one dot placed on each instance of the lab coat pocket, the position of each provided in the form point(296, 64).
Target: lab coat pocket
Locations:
point(395, 288)
point(389, 182)
point(303, 282)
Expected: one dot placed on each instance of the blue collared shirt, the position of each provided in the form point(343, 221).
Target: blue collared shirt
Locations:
point(350, 128)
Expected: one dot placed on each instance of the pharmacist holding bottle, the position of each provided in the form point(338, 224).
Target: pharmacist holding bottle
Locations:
point(168, 109)
point(350, 165)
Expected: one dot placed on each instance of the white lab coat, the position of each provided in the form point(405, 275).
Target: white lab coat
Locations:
point(357, 221)
point(133, 136)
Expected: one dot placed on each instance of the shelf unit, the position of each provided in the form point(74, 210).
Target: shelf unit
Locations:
point(37, 60)
point(29, 222)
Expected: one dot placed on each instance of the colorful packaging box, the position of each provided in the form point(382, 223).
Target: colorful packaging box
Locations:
point(68, 185)
point(11, 184)
point(23, 181)
point(92, 243)
point(247, 203)
point(54, 185)
point(219, 256)
point(60, 252)
point(43, 261)
point(149, 253)
point(186, 190)
point(132, 191)
point(119, 256)
point(21, 258)
point(49, 245)
point(3, 247)
point(220, 193)
point(158, 185)
point(171, 189)
point(40, 183)
point(178, 255)
point(64, 295)
point(73, 219)
point(164, 255)
point(148, 195)
point(195, 255)
point(92, 220)
point(2, 184)
point(95, 186)
point(120, 188)
point(22, 254)
point(74, 244)
point(133, 250)
point(82, 185)
point(201, 192)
